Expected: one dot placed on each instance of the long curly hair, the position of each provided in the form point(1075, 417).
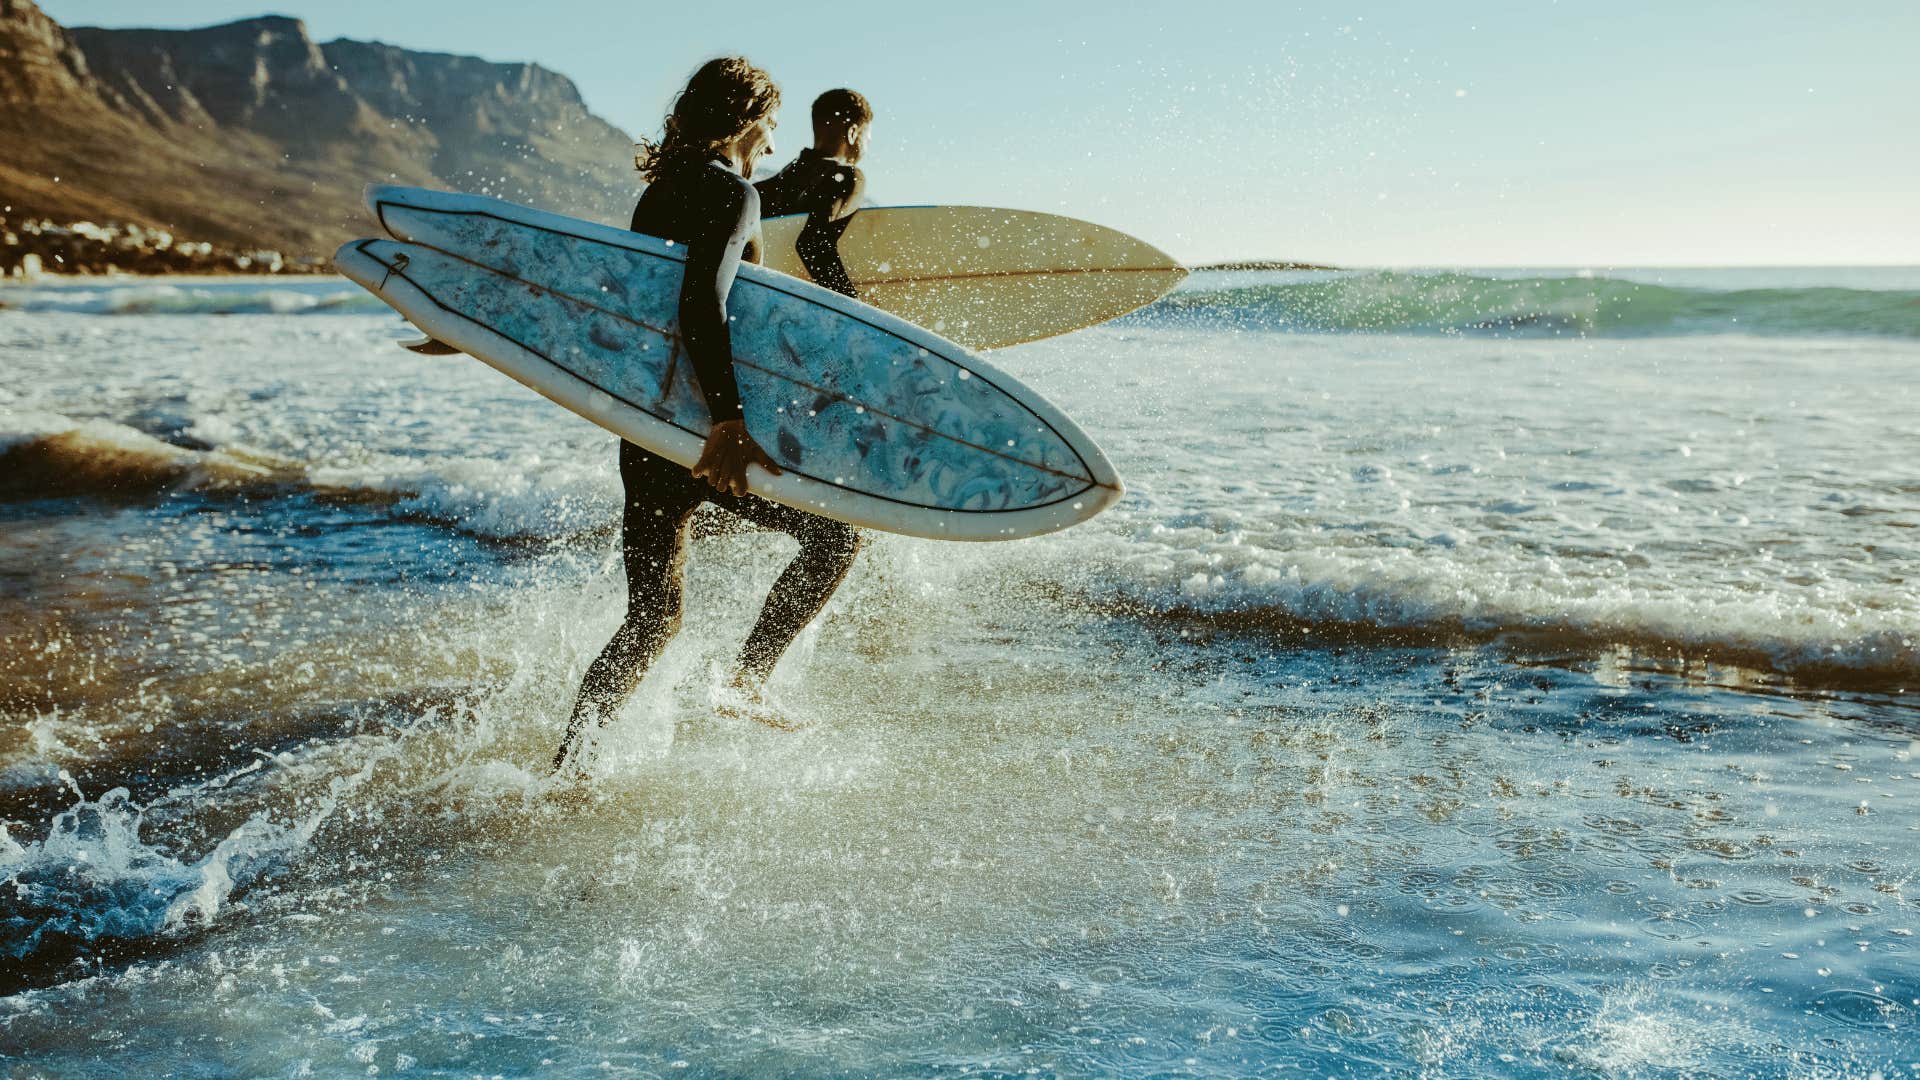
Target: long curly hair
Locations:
point(725, 97)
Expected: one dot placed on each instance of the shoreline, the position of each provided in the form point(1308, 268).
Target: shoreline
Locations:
point(18, 274)
point(34, 248)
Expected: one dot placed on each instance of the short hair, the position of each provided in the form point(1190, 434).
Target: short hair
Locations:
point(841, 106)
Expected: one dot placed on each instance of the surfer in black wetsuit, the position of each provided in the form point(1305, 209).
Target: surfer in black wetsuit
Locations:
point(825, 183)
point(697, 195)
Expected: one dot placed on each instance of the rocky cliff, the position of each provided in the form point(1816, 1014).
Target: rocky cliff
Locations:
point(253, 135)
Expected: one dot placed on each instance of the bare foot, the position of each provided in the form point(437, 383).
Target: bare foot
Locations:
point(743, 699)
point(571, 789)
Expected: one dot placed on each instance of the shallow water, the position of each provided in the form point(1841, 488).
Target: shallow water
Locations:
point(1456, 703)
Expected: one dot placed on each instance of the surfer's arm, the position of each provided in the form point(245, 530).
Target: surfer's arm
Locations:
point(712, 263)
point(835, 201)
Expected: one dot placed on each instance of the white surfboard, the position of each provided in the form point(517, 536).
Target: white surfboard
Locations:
point(874, 421)
point(987, 277)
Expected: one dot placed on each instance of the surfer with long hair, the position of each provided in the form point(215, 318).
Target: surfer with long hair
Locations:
point(698, 195)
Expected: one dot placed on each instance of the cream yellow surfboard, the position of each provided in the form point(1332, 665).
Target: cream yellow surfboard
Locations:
point(986, 277)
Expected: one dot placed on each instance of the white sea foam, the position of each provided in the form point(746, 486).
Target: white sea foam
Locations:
point(1580, 492)
point(1449, 589)
point(245, 297)
point(21, 426)
point(524, 496)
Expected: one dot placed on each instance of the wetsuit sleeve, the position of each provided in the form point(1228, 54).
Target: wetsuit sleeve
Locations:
point(712, 262)
point(830, 208)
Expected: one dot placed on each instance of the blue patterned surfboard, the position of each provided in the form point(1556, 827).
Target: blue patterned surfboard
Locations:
point(875, 421)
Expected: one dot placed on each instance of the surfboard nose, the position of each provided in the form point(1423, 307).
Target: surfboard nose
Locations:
point(370, 262)
point(351, 262)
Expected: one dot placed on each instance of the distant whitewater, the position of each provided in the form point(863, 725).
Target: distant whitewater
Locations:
point(327, 296)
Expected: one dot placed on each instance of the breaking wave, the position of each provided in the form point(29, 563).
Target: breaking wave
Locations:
point(1175, 575)
point(1572, 306)
point(524, 497)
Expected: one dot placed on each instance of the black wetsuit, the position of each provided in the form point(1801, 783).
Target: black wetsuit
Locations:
point(716, 214)
point(828, 192)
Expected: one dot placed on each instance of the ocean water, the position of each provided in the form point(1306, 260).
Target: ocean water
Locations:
point(1488, 674)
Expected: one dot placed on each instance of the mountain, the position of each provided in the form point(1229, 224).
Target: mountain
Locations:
point(253, 135)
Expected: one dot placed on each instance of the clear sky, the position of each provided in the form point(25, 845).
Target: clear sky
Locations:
point(1685, 132)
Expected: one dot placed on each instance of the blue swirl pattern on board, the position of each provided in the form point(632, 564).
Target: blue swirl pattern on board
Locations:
point(826, 394)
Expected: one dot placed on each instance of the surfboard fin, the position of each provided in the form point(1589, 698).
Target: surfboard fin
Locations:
point(429, 346)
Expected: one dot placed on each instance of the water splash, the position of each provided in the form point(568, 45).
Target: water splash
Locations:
point(95, 882)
